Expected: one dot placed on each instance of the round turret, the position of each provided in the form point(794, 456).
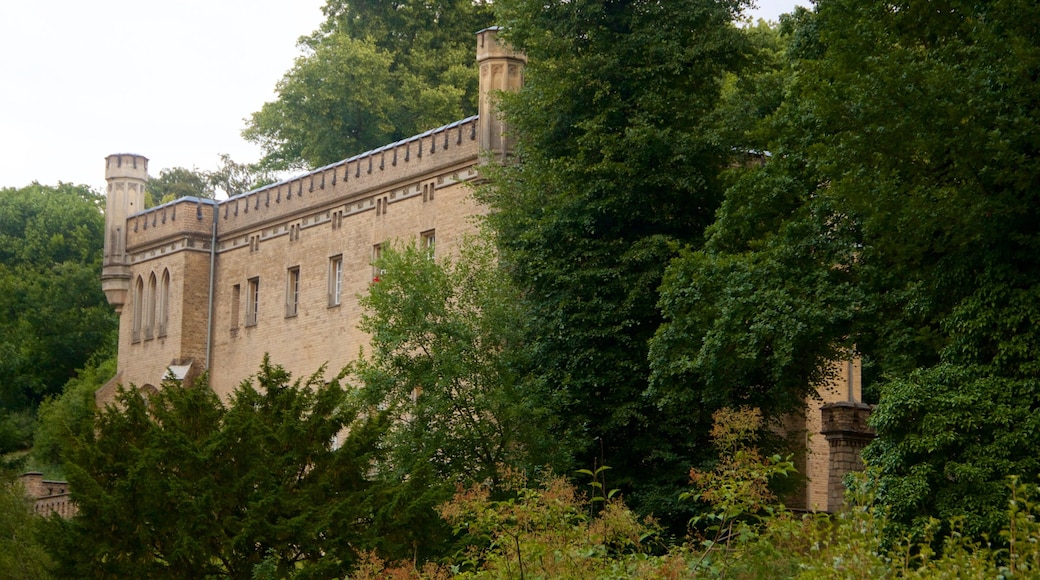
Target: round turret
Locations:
point(501, 70)
point(127, 176)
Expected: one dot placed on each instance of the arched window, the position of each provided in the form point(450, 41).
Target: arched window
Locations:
point(149, 324)
point(164, 302)
point(138, 298)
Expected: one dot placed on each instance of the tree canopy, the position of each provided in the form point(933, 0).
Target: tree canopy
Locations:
point(53, 315)
point(618, 165)
point(442, 363)
point(182, 485)
point(895, 219)
point(372, 74)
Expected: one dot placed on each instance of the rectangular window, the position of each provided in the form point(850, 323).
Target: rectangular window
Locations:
point(236, 300)
point(292, 292)
point(377, 252)
point(252, 301)
point(335, 280)
point(428, 241)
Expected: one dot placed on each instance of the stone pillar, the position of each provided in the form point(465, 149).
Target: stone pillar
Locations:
point(126, 175)
point(501, 70)
point(847, 433)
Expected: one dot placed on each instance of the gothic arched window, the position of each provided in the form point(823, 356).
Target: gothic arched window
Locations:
point(138, 313)
point(149, 323)
point(164, 303)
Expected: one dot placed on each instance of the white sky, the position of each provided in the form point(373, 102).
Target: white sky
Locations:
point(173, 81)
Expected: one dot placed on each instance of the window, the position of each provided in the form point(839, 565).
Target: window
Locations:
point(164, 303)
point(427, 241)
point(377, 253)
point(292, 292)
point(252, 301)
point(335, 280)
point(236, 298)
point(135, 334)
point(149, 321)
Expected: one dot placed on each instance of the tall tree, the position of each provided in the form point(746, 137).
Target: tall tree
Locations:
point(897, 216)
point(618, 165)
point(373, 73)
point(443, 335)
point(53, 314)
point(22, 554)
point(182, 485)
point(756, 314)
point(179, 182)
point(229, 178)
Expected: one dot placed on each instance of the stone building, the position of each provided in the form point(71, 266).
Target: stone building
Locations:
point(213, 285)
point(48, 496)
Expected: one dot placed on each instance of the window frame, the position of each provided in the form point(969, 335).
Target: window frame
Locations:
point(292, 292)
point(335, 289)
point(252, 301)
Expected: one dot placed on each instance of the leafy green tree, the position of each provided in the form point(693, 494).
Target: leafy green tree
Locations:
point(442, 366)
point(181, 485)
point(229, 178)
point(896, 217)
point(233, 178)
point(618, 167)
point(53, 314)
point(22, 554)
point(920, 124)
point(179, 182)
point(62, 418)
point(373, 73)
point(755, 315)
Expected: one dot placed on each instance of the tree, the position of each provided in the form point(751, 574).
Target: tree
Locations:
point(373, 73)
point(179, 182)
point(53, 314)
point(442, 366)
point(182, 485)
point(896, 217)
point(229, 178)
point(60, 419)
point(232, 178)
point(22, 555)
point(618, 166)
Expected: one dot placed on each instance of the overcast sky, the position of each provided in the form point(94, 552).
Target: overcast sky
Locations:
point(173, 81)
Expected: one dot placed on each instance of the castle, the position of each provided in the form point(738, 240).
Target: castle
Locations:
point(204, 285)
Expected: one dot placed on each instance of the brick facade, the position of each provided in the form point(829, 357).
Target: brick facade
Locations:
point(48, 496)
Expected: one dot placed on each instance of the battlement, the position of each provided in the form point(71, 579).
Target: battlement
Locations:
point(126, 165)
point(171, 222)
point(356, 181)
point(489, 46)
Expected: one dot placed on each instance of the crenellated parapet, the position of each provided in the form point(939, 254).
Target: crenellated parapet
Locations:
point(184, 223)
point(368, 182)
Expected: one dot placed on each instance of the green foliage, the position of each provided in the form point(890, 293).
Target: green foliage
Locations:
point(229, 178)
point(179, 182)
point(53, 314)
point(443, 334)
point(737, 489)
point(895, 219)
point(61, 419)
point(374, 73)
point(16, 432)
point(181, 485)
point(22, 556)
point(545, 532)
point(618, 167)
